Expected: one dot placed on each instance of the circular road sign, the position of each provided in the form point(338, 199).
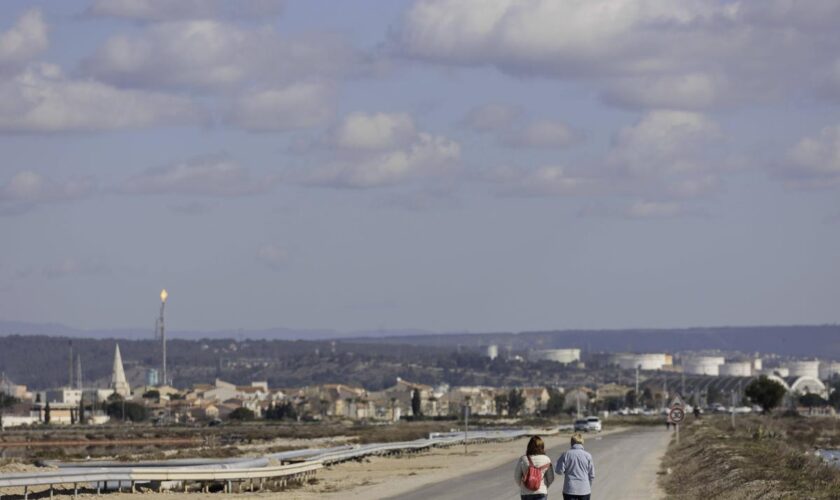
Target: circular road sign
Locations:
point(677, 415)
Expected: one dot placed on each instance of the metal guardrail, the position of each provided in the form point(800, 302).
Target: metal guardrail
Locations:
point(242, 469)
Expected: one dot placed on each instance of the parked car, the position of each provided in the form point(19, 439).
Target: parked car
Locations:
point(593, 424)
point(581, 425)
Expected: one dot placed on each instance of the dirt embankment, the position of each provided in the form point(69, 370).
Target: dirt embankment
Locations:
point(763, 457)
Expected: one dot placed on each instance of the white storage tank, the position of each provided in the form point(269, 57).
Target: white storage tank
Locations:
point(736, 369)
point(756, 365)
point(492, 351)
point(646, 361)
point(803, 368)
point(703, 365)
point(828, 369)
point(560, 355)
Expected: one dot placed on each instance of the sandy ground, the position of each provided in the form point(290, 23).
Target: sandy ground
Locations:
point(380, 477)
point(419, 475)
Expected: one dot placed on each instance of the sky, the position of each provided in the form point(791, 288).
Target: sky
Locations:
point(448, 165)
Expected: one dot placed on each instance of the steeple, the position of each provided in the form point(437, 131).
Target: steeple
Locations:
point(118, 382)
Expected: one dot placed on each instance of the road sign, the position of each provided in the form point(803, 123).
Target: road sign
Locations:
point(676, 415)
point(677, 402)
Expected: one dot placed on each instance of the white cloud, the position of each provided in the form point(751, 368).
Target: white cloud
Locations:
point(374, 131)
point(428, 155)
point(664, 143)
point(42, 99)
point(654, 209)
point(663, 157)
point(273, 256)
point(300, 105)
point(23, 41)
point(27, 189)
point(491, 117)
point(815, 161)
point(213, 54)
point(542, 134)
point(702, 51)
point(551, 180)
point(214, 175)
point(168, 10)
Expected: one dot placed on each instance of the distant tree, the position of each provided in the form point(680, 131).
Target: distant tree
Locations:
point(556, 400)
point(630, 399)
point(283, 411)
point(82, 411)
point(811, 400)
point(7, 401)
point(516, 401)
point(766, 393)
point(152, 394)
point(47, 413)
point(241, 414)
point(126, 410)
point(416, 404)
point(501, 404)
point(834, 395)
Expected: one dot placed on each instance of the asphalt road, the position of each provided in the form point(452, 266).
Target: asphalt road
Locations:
point(625, 468)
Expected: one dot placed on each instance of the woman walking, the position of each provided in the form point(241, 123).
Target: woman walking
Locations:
point(579, 471)
point(533, 472)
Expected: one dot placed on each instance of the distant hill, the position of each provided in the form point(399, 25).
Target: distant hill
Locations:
point(801, 341)
point(796, 340)
point(279, 333)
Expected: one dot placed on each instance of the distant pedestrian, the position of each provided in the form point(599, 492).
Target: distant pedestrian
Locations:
point(578, 470)
point(533, 473)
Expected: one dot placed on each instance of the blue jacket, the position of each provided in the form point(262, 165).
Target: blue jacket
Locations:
point(578, 471)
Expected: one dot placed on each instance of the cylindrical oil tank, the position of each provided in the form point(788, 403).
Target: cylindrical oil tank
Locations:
point(703, 365)
point(492, 351)
point(736, 369)
point(559, 355)
point(645, 361)
point(829, 369)
point(803, 368)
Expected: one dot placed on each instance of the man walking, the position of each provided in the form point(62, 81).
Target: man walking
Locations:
point(577, 469)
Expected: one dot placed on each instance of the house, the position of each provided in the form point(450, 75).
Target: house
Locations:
point(536, 400)
point(482, 400)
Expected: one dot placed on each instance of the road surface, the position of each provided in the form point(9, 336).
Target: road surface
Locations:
point(625, 467)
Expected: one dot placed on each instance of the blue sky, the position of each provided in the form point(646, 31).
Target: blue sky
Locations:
point(439, 164)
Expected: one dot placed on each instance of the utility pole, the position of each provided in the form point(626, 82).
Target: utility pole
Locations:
point(637, 383)
point(163, 296)
point(732, 413)
point(466, 422)
point(70, 368)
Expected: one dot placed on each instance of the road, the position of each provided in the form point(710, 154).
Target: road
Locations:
point(625, 467)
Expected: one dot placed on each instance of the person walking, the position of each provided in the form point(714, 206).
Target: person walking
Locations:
point(533, 473)
point(578, 471)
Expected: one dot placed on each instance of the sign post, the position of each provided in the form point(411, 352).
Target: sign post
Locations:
point(676, 414)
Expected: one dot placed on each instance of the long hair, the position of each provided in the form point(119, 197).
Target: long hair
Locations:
point(536, 446)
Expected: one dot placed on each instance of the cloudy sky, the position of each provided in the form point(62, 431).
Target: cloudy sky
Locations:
point(441, 164)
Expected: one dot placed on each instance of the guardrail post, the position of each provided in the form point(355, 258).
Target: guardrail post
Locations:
point(26, 493)
point(75, 490)
point(51, 492)
point(133, 490)
point(98, 488)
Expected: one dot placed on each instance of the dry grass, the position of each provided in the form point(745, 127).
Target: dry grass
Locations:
point(764, 457)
